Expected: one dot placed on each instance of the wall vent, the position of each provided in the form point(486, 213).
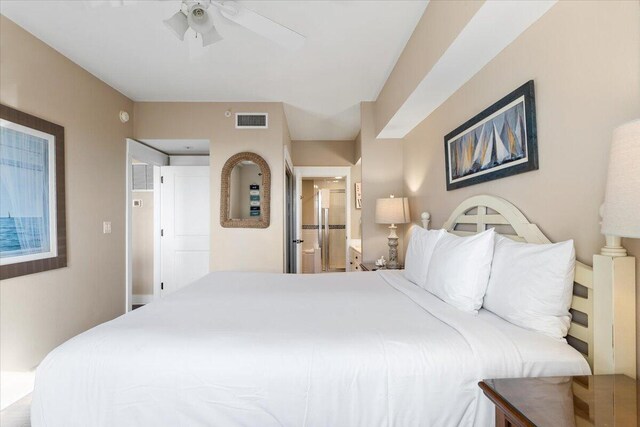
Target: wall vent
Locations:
point(141, 177)
point(252, 121)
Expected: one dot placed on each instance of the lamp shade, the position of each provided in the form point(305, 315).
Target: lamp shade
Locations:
point(210, 37)
point(178, 24)
point(392, 210)
point(621, 211)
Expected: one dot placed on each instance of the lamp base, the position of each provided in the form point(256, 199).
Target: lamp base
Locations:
point(393, 248)
point(613, 247)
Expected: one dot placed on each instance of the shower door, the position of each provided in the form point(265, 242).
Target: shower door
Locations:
point(332, 229)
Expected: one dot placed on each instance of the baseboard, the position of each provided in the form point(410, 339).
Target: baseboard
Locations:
point(141, 299)
point(14, 386)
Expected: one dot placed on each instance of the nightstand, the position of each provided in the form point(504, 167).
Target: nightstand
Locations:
point(371, 266)
point(597, 400)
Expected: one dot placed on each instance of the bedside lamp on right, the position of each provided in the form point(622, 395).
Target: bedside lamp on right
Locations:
point(621, 209)
point(614, 284)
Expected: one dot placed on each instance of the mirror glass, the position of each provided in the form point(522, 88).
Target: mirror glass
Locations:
point(245, 191)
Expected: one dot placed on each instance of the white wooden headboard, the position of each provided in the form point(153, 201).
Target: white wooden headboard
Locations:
point(603, 320)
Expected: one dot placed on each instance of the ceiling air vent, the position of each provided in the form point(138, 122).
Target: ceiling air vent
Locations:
point(252, 121)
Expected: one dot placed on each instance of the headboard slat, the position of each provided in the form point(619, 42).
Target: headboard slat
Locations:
point(488, 219)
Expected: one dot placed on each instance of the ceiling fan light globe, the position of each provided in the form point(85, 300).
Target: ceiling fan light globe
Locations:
point(210, 37)
point(178, 24)
point(199, 19)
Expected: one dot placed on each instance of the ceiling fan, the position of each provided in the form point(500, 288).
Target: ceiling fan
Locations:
point(197, 15)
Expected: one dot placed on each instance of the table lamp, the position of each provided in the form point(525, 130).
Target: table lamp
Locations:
point(392, 210)
point(621, 209)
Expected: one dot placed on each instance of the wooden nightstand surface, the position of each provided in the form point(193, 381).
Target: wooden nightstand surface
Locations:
point(371, 266)
point(368, 266)
point(600, 400)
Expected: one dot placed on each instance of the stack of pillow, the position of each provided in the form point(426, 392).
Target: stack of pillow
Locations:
point(527, 284)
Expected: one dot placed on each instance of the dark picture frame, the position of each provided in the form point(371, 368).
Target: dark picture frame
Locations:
point(500, 141)
point(8, 114)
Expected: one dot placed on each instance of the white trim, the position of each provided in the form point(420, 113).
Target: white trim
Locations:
point(322, 172)
point(157, 242)
point(138, 299)
point(154, 157)
point(288, 163)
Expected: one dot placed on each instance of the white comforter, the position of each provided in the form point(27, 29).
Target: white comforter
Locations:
point(255, 349)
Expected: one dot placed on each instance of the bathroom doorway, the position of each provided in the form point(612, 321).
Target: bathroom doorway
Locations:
point(323, 219)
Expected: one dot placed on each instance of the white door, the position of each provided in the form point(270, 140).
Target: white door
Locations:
point(185, 225)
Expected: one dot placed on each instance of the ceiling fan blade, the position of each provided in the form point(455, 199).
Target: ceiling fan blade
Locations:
point(261, 25)
point(112, 3)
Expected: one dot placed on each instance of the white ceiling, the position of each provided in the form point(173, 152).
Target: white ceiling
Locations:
point(350, 50)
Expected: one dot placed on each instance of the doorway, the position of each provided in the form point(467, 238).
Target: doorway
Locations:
point(323, 218)
point(323, 225)
point(167, 217)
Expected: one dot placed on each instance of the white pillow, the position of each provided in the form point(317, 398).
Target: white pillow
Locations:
point(459, 269)
point(531, 285)
point(419, 251)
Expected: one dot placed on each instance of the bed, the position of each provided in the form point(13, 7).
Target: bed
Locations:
point(340, 349)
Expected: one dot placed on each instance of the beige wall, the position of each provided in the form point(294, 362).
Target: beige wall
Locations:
point(231, 248)
point(308, 204)
point(438, 27)
point(585, 60)
point(40, 311)
point(142, 243)
point(381, 176)
point(323, 153)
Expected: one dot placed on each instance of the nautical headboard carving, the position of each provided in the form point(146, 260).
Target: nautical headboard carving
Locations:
point(592, 322)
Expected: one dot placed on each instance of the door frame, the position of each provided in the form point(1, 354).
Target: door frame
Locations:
point(288, 168)
point(322, 172)
point(151, 156)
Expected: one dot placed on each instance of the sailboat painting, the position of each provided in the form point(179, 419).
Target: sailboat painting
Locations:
point(499, 142)
point(32, 224)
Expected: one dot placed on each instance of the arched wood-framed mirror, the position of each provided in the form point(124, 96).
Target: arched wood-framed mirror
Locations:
point(245, 197)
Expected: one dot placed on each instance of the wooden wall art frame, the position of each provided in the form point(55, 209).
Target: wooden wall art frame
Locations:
point(60, 260)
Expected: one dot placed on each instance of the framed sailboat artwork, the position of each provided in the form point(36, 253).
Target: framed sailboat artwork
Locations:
point(500, 141)
point(32, 195)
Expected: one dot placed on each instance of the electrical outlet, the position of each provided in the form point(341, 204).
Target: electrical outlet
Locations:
point(106, 227)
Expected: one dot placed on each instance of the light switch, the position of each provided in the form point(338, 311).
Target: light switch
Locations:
point(106, 227)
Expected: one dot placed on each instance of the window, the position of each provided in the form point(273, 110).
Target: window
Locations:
point(31, 230)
